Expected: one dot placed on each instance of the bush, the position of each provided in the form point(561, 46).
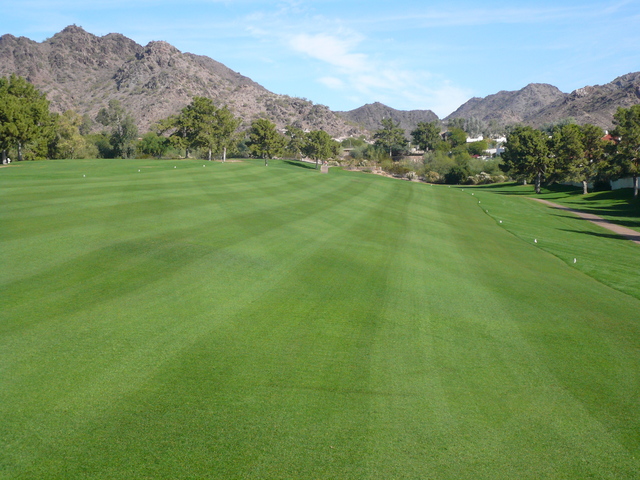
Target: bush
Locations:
point(431, 177)
point(484, 178)
point(456, 176)
point(438, 162)
point(396, 169)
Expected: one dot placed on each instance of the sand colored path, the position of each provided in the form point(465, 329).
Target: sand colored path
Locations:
point(632, 235)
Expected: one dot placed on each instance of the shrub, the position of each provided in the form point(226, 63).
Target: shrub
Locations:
point(431, 177)
point(456, 176)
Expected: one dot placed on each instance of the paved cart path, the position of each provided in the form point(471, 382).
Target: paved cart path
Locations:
point(632, 235)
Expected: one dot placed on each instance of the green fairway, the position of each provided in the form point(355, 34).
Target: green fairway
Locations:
point(187, 319)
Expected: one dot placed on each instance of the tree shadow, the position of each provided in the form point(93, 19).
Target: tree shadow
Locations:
point(614, 236)
point(295, 163)
point(501, 188)
point(623, 223)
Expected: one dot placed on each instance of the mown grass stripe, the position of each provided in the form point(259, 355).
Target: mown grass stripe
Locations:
point(294, 325)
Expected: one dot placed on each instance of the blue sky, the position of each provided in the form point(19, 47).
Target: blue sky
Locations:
point(407, 54)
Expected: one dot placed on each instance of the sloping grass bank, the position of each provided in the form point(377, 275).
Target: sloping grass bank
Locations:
point(598, 252)
point(237, 321)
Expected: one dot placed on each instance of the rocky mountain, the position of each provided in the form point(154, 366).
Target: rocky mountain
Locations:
point(509, 107)
point(370, 117)
point(593, 104)
point(81, 71)
point(539, 104)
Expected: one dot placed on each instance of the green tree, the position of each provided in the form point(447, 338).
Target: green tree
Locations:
point(427, 135)
point(86, 125)
point(211, 128)
point(626, 159)
point(578, 152)
point(320, 146)
point(595, 152)
point(297, 140)
point(100, 143)
point(264, 140)
point(24, 115)
point(457, 175)
point(526, 154)
point(477, 148)
point(181, 131)
point(456, 137)
point(438, 162)
point(68, 142)
point(123, 128)
point(456, 123)
point(390, 137)
point(153, 144)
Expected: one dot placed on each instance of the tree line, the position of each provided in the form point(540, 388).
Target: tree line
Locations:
point(31, 131)
point(561, 152)
point(447, 156)
point(576, 153)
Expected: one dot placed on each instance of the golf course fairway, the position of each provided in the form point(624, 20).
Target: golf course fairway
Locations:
point(191, 320)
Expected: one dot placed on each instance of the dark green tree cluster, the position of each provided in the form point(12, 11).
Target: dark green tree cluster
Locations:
point(427, 136)
point(123, 130)
point(571, 152)
point(626, 149)
point(25, 120)
point(319, 146)
point(265, 141)
point(449, 158)
point(390, 137)
point(527, 155)
point(202, 125)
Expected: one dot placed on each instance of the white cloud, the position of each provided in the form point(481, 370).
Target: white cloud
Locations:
point(374, 79)
point(332, 82)
point(329, 49)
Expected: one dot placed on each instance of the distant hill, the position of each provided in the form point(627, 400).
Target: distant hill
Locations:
point(370, 117)
point(83, 72)
point(509, 107)
point(539, 104)
point(593, 104)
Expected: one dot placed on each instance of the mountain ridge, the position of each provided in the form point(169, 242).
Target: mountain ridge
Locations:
point(370, 116)
point(538, 104)
point(81, 71)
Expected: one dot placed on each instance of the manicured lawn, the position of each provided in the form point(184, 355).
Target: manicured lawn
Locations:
point(598, 252)
point(237, 321)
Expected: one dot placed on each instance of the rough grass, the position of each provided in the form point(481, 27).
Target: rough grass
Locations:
point(237, 321)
